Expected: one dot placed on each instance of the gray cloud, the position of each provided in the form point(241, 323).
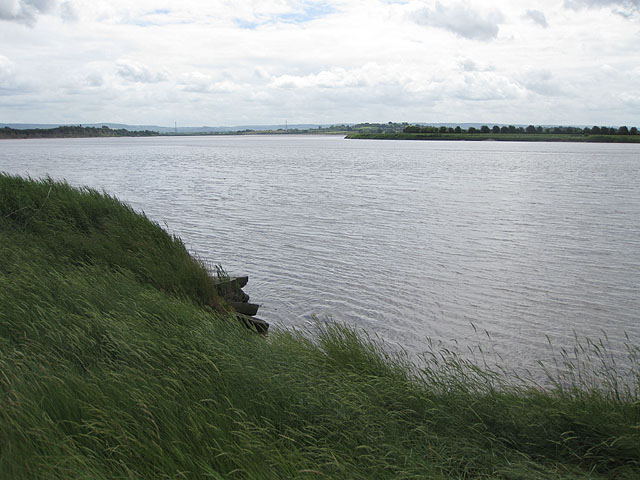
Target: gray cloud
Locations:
point(577, 4)
point(6, 75)
point(626, 8)
point(68, 12)
point(630, 100)
point(461, 20)
point(542, 82)
point(25, 11)
point(537, 17)
point(94, 80)
point(11, 83)
point(6, 67)
point(469, 65)
point(135, 72)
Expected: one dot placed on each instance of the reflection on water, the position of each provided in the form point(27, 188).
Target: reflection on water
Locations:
point(408, 240)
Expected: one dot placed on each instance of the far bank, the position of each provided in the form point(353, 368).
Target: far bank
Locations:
point(499, 137)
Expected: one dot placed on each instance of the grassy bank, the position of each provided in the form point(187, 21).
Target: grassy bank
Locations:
point(499, 137)
point(112, 367)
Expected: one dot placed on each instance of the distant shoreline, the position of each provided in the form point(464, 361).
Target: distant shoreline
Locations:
point(569, 135)
point(8, 133)
point(498, 137)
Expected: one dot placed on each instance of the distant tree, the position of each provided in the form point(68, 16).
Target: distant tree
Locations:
point(457, 129)
point(443, 129)
point(633, 131)
point(472, 130)
point(539, 129)
point(595, 130)
point(623, 130)
point(485, 129)
point(495, 129)
point(504, 129)
point(531, 129)
point(411, 129)
point(512, 129)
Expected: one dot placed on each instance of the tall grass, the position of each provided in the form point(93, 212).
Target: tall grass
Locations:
point(85, 226)
point(107, 372)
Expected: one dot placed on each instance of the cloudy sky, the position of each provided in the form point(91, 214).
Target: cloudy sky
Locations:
point(227, 62)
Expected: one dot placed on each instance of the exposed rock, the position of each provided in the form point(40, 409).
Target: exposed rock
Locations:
point(244, 308)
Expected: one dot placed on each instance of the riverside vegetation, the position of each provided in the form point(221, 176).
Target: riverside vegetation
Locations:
point(73, 131)
point(112, 366)
point(505, 133)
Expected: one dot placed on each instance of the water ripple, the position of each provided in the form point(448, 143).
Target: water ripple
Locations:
point(410, 240)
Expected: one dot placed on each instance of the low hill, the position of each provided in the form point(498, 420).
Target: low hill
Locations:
point(72, 132)
point(164, 129)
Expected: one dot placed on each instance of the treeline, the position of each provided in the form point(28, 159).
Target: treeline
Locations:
point(73, 131)
point(531, 129)
point(390, 127)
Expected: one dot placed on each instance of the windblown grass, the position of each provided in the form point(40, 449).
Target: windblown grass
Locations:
point(78, 226)
point(111, 368)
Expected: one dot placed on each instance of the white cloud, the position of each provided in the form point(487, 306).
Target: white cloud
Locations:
point(484, 86)
point(197, 82)
point(334, 78)
point(138, 73)
point(462, 20)
point(371, 79)
point(350, 60)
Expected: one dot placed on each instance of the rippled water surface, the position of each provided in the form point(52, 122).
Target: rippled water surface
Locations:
point(409, 240)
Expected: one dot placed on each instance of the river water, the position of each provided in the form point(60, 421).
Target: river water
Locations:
point(448, 241)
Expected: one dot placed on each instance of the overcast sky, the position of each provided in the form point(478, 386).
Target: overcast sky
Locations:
point(227, 62)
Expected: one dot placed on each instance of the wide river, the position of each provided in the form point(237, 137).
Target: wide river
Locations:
point(528, 242)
